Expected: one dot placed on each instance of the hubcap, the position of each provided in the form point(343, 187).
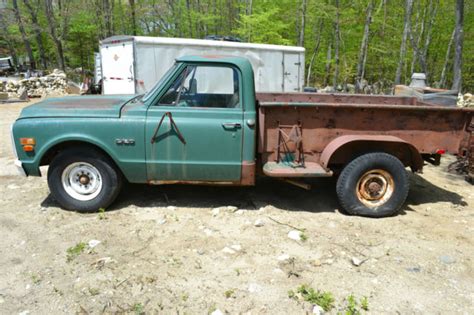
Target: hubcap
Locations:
point(375, 187)
point(81, 181)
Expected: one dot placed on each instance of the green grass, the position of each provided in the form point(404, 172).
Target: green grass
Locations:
point(321, 298)
point(74, 251)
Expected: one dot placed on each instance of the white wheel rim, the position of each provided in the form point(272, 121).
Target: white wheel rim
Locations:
point(82, 181)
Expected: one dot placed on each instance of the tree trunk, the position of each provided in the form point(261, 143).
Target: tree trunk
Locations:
point(442, 80)
point(52, 29)
point(337, 38)
point(328, 64)
point(302, 24)
point(37, 30)
point(24, 37)
point(315, 51)
point(458, 43)
point(403, 47)
point(134, 21)
point(363, 47)
point(429, 31)
point(107, 17)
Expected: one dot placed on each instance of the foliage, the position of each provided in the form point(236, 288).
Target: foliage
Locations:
point(307, 293)
point(74, 251)
point(81, 24)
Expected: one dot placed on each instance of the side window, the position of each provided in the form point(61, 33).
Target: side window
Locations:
point(204, 86)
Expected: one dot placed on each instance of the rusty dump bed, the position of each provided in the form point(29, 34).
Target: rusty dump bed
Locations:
point(329, 128)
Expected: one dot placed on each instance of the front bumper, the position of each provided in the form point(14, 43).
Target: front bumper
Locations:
point(19, 166)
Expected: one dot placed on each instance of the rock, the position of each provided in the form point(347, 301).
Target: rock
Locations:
point(259, 223)
point(228, 250)
point(215, 212)
point(217, 312)
point(231, 208)
point(413, 269)
point(283, 257)
point(93, 243)
point(254, 288)
point(236, 247)
point(171, 208)
point(445, 259)
point(162, 221)
point(24, 312)
point(316, 263)
point(22, 93)
point(208, 232)
point(295, 235)
point(3, 96)
point(356, 261)
point(318, 310)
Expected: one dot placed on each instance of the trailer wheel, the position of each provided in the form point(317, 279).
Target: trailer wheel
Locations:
point(83, 180)
point(373, 185)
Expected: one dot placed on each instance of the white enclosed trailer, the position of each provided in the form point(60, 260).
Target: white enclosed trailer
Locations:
point(133, 64)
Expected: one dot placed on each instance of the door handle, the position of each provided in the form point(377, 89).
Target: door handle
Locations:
point(231, 125)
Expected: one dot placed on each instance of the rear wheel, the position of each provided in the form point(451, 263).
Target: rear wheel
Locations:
point(83, 180)
point(373, 185)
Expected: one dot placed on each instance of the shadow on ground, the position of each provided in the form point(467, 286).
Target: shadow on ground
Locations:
point(321, 198)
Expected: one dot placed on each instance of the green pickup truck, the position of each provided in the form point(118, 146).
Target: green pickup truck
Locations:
point(203, 123)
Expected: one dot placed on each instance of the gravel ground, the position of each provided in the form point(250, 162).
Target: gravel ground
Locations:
point(190, 249)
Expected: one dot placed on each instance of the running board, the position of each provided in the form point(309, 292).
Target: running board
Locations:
point(310, 169)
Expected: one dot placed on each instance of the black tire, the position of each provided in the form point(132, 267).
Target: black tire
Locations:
point(110, 178)
point(388, 192)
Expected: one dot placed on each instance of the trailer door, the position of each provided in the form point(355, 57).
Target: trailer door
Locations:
point(117, 68)
point(291, 72)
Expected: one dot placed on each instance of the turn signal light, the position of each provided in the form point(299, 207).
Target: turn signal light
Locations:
point(27, 141)
point(28, 148)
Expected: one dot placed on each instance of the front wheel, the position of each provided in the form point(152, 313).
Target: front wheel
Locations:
point(83, 180)
point(373, 185)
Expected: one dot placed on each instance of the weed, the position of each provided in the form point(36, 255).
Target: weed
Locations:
point(229, 293)
point(101, 215)
point(364, 303)
point(94, 291)
point(35, 278)
point(321, 298)
point(185, 297)
point(237, 271)
point(56, 290)
point(303, 237)
point(138, 308)
point(73, 252)
point(352, 307)
point(212, 308)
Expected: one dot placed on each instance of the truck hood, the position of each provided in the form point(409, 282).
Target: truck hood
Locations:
point(77, 106)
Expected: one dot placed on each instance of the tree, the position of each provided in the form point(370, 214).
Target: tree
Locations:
point(26, 41)
point(458, 44)
point(363, 47)
point(337, 39)
point(52, 29)
point(403, 48)
point(37, 30)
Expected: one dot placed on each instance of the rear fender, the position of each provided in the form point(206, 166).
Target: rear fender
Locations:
point(343, 149)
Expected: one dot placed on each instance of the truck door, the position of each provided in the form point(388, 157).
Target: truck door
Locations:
point(194, 131)
point(117, 68)
point(291, 72)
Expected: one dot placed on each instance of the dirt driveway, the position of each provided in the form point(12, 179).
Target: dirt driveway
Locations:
point(195, 250)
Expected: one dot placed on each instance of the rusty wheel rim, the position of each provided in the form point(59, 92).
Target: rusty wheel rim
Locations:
point(375, 188)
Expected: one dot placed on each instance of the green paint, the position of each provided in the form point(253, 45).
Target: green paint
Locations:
point(211, 152)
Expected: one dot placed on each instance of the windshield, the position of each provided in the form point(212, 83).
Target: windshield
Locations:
point(159, 83)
